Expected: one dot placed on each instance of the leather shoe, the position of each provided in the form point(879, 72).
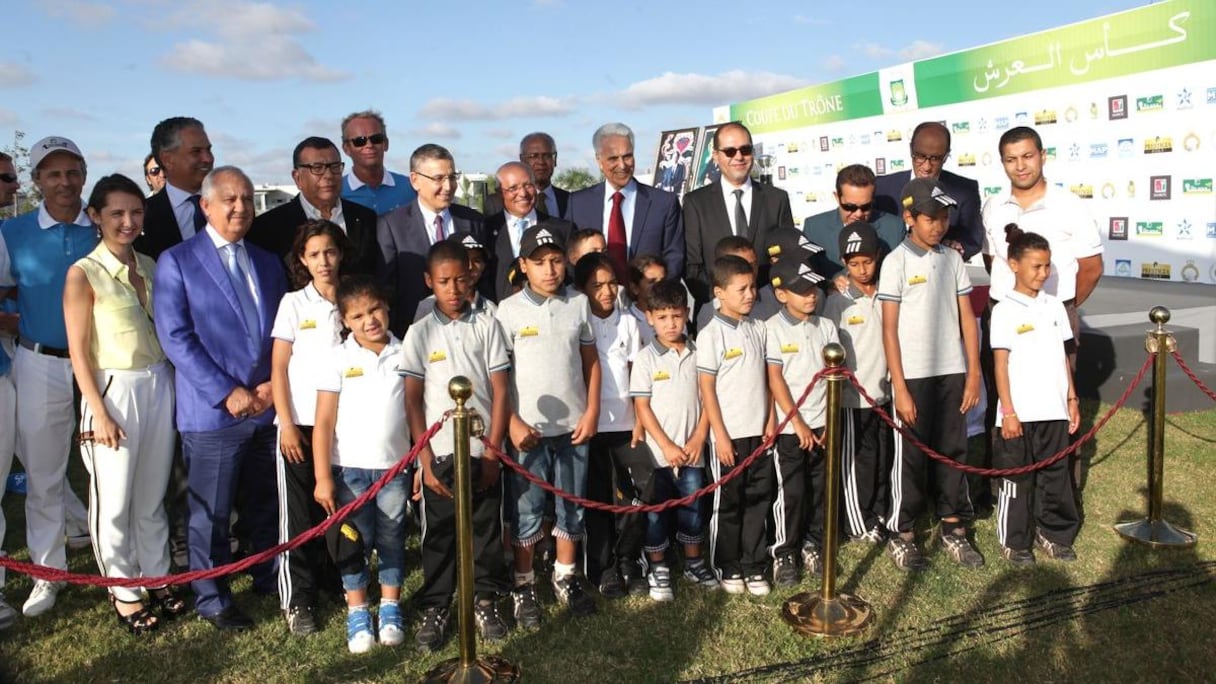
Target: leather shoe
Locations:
point(229, 619)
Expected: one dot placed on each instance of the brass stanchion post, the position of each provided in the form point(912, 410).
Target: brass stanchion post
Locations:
point(467, 668)
point(829, 613)
point(1153, 530)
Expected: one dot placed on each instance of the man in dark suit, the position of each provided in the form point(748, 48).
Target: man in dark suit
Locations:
point(734, 205)
point(537, 151)
point(636, 218)
point(930, 147)
point(215, 300)
point(317, 170)
point(522, 210)
point(854, 202)
point(406, 234)
point(183, 151)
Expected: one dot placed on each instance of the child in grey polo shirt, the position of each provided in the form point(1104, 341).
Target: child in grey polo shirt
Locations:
point(556, 385)
point(866, 454)
point(923, 289)
point(795, 341)
point(734, 392)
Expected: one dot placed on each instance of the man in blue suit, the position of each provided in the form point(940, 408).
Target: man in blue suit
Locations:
point(636, 218)
point(215, 299)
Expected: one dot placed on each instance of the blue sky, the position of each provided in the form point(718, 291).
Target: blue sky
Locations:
point(473, 76)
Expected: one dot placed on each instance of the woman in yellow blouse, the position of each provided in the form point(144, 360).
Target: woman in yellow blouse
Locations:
point(126, 424)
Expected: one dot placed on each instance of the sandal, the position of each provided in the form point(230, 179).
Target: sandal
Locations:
point(167, 603)
point(140, 622)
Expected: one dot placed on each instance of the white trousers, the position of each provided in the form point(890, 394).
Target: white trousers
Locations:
point(45, 418)
point(8, 442)
point(127, 518)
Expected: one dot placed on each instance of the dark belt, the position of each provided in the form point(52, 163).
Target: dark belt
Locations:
point(43, 349)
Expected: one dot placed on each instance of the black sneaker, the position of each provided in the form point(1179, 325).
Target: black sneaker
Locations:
point(875, 536)
point(571, 594)
point(960, 549)
point(611, 584)
point(489, 621)
point(526, 607)
point(1054, 551)
point(905, 553)
point(1019, 557)
point(431, 632)
point(300, 621)
point(785, 571)
point(545, 555)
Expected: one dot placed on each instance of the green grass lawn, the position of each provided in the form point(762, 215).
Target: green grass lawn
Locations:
point(1122, 613)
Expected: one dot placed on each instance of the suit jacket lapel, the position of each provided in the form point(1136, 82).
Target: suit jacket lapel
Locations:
point(641, 205)
point(209, 257)
point(753, 219)
point(718, 215)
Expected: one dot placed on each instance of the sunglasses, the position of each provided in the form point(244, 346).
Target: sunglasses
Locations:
point(8, 178)
point(850, 208)
point(745, 150)
point(363, 140)
point(152, 171)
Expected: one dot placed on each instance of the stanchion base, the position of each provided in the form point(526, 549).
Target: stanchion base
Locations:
point(484, 669)
point(813, 615)
point(1159, 534)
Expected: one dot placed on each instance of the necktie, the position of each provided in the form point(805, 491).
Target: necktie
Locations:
point(550, 201)
point(521, 225)
point(240, 283)
point(618, 249)
point(740, 215)
point(438, 228)
point(199, 219)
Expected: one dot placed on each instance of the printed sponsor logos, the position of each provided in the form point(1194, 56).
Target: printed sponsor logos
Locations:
point(966, 159)
point(1074, 152)
point(1196, 186)
point(894, 135)
point(837, 142)
point(1158, 145)
point(1083, 190)
point(1189, 272)
point(960, 127)
point(1152, 103)
point(1045, 117)
point(865, 138)
point(1123, 267)
point(1021, 118)
point(1117, 229)
point(880, 166)
point(823, 143)
point(1211, 95)
point(896, 165)
point(1002, 122)
point(1127, 148)
point(1116, 107)
point(991, 190)
point(1098, 150)
point(1183, 99)
point(1212, 230)
point(1182, 230)
point(1050, 153)
point(1155, 271)
point(1150, 229)
point(1159, 187)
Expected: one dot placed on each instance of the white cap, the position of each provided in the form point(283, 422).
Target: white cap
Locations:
point(50, 145)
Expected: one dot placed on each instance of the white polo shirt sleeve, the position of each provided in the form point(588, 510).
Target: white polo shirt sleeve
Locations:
point(962, 281)
point(412, 352)
point(891, 276)
point(287, 320)
point(641, 379)
point(497, 356)
point(709, 349)
point(329, 378)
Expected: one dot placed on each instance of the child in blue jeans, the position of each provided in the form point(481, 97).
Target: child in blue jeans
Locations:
point(360, 433)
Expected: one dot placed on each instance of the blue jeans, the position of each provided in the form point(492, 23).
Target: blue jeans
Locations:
point(563, 464)
point(381, 523)
point(668, 486)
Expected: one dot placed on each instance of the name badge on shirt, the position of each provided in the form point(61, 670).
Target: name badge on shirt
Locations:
point(308, 325)
point(354, 372)
point(733, 352)
point(662, 375)
point(530, 331)
point(1025, 328)
point(437, 356)
point(856, 320)
point(789, 348)
point(917, 280)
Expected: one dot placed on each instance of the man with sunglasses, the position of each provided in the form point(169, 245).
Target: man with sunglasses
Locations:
point(854, 202)
point(365, 140)
point(8, 182)
point(152, 174)
point(316, 168)
point(182, 150)
point(731, 205)
point(930, 148)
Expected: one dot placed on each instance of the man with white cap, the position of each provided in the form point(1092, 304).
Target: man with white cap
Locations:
point(36, 249)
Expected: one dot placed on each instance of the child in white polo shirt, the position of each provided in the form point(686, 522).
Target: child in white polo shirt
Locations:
point(360, 433)
point(457, 338)
point(1037, 408)
point(794, 352)
point(734, 392)
point(306, 330)
point(477, 255)
point(556, 384)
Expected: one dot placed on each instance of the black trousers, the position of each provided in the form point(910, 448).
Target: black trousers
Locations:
point(620, 474)
point(865, 465)
point(306, 569)
point(490, 577)
point(1042, 499)
point(741, 509)
point(798, 479)
point(915, 478)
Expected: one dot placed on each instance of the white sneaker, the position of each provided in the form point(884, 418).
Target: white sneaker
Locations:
point(757, 585)
point(8, 614)
point(659, 580)
point(42, 598)
point(733, 584)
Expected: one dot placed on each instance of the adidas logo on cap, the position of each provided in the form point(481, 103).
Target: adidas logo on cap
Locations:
point(544, 237)
point(471, 242)
point(942, 198)
point(853, 244)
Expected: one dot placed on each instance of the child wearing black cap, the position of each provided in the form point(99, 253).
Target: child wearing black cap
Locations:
point(924, 292)
point(794, 354)
point(866, 450)
point(479, 287)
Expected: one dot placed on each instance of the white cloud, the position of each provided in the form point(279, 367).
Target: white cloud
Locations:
point(834, 63)
point(701, 89)
point(917, 49)
point(875, 51)
point(515, 108)
point(80, 12)
point(13, 75)
point(254, 42)
point(8, 117)
point(500, 132)
point(437, 130)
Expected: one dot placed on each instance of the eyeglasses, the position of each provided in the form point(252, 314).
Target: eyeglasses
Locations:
point(918, 158)
point(540, 156)
point(745, 150)
point(8, 178)
point(518, 189)
point(363, 140)
point(850, 208)
point(320, 168)
point(442, 180)
point(152, 171)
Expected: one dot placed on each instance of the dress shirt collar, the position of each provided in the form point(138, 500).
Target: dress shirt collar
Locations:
point(45, 220)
